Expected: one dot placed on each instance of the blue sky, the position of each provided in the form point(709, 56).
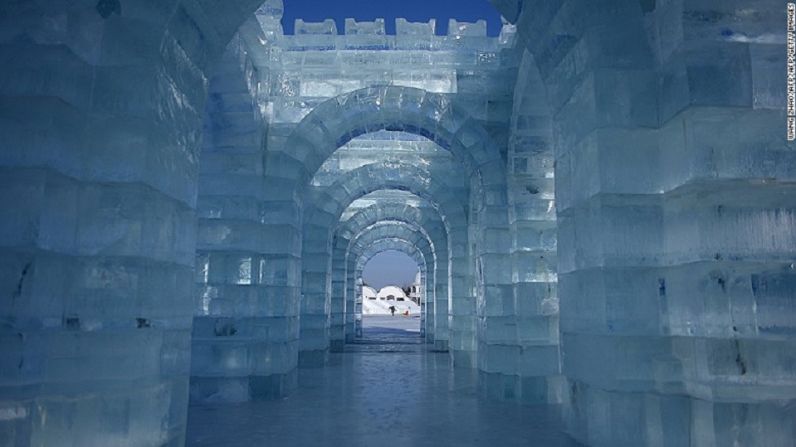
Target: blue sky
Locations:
point(389, 268)
point(412, 10)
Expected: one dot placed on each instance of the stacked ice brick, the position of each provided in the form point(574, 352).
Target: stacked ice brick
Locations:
point(98, 173)
point(378, 162)
point(393, 205)
point(524, 363)
point(729, 215)
point(675, 213)
point(317, 64)
point(245, 332)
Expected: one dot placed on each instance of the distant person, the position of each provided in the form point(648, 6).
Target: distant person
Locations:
point(406, 313)
point(392, 310)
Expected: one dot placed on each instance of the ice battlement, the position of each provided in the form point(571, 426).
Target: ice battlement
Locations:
point(372, 35)
point(403, 27)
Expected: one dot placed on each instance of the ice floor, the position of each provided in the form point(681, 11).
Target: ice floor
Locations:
point(386, 391)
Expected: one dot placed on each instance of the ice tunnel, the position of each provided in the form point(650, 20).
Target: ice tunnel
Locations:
point(601, 202)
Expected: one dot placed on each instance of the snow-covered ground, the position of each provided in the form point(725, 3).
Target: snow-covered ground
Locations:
point(382, 307)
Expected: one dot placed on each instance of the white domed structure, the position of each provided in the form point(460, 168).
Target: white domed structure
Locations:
point(379, 303)
point(391, 293)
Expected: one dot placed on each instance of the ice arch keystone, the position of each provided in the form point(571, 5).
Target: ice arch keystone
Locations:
point(380, 244)
point(386, 228)
point(424, 214)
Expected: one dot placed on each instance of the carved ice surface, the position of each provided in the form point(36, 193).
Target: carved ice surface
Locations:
point(600, 202)
point(371, 133)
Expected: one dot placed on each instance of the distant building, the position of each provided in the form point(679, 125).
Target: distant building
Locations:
point(379, 303)
point(392, 293)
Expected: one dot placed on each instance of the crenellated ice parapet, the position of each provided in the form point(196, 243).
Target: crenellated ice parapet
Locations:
point(374, 28)
point(326, 28)
point(372, 35)
point(467, 29)
point(404, 27)
point(300, 71)
point(415, 35)
point(314, 35)
point(365, 35)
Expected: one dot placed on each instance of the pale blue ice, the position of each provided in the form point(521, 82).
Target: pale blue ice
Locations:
point(600, 201)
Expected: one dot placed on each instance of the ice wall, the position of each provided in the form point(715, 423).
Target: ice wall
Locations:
point(523, 361)
point(728, 216)
point(674, 218)
point(98, 181)
point(245, 332)
point(319, 63)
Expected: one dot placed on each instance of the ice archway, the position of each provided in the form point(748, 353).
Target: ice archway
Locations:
point(424, 216)
point(366, 242)
point(374, 177)
point(354, 273)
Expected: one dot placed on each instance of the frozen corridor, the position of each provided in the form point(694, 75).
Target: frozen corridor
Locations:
point(387, 389)
point(597, 200)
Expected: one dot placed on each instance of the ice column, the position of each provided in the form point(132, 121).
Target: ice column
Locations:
point(246, 320)
point(98, 171)
point(675, 219)
point(340, 332)
point(530, 366)
point(730, 221)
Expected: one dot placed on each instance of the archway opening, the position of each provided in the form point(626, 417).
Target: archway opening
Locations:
point(392, 297)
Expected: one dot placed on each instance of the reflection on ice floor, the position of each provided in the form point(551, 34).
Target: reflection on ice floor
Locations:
point(387, 391)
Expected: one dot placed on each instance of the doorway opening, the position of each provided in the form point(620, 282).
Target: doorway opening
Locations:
point(392, 298)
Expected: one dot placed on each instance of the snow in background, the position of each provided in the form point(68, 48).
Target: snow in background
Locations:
point(376, 303)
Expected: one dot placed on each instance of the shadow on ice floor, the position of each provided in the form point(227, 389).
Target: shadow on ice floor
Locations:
point(388, 390)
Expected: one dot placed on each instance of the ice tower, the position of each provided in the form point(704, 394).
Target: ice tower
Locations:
point(600, 200)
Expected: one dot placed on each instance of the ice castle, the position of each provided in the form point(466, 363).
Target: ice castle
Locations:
point(601, 201)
